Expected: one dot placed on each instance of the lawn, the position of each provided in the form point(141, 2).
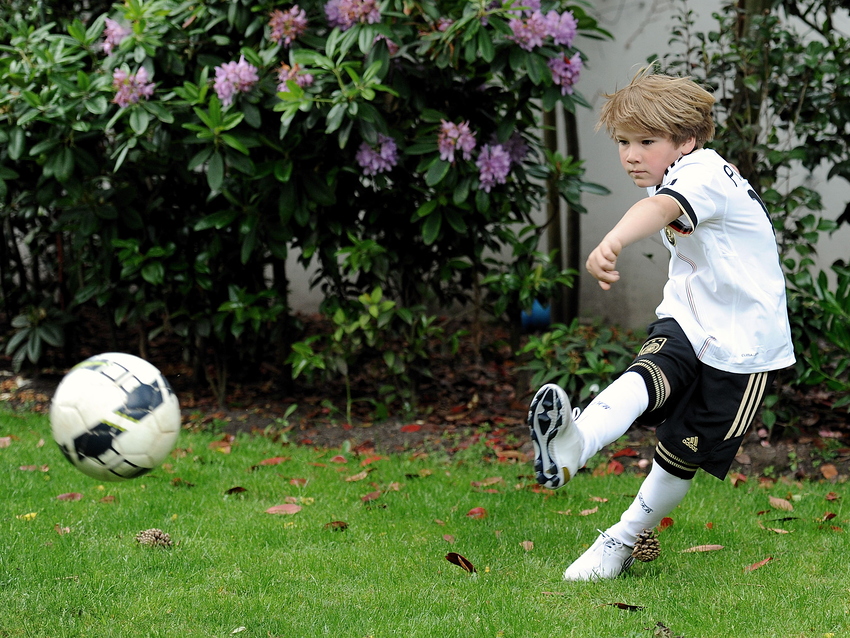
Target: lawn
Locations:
point(365, 554)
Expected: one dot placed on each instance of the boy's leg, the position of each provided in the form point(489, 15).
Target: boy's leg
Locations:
point(659, 495)
point(611, 413)
point(611, 554)
point(564, 441)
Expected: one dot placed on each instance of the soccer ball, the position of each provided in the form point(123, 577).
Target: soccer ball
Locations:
point(114, 416)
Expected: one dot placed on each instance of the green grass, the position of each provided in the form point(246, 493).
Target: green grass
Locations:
point(236, 570)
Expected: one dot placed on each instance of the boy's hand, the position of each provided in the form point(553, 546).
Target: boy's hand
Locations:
point(602, 262)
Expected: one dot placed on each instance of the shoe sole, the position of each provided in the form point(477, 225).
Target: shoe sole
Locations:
point(549, 400)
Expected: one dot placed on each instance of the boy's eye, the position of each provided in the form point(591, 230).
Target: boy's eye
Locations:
point(647, 142)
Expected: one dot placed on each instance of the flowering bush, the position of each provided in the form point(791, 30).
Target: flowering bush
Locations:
point(177, 152)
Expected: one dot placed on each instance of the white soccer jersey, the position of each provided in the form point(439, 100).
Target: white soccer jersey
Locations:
point(726, 288)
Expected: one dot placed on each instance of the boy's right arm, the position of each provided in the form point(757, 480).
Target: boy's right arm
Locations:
point(642, 220)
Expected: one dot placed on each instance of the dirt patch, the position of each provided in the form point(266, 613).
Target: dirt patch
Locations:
point(479, 414)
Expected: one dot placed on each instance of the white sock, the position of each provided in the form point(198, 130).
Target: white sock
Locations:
point(659, 494)
point(611, 413)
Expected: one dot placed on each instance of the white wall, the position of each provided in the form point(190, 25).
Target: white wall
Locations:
point(641, 28)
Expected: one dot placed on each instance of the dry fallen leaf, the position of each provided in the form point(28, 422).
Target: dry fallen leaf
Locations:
point(275, 460)
point(357, 477)
point(449, 538)
point(372, 459)
point(702, 548)
point(780, 504)
point(61, 530)
point(337, 526)
point(477, 512)
point(755, 566)
point(460, 561)
point(70, 496)
point(287, 508)
point(588, 512)
point(665, 523)
point(829, 471)
point(493, 480)
point(371, 496)
point(737, 478)
point(527, 545)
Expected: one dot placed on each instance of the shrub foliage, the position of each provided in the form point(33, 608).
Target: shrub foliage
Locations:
point(161, 159)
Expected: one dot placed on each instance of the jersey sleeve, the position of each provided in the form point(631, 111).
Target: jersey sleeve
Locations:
point(696, 191)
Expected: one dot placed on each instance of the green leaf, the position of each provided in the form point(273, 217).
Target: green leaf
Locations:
point(200, 158)
point(17, 140)
point(283, 170)
point(437, 172)
point(139, 120)
point(431, 228)
point(215, 172)
point(153, 273)
point(234, 142)
point(43, 147)
point(426, 209)
point(218, 220)
point(485, 45)
point(96, 105)
point(335, 116)
point(456, 221)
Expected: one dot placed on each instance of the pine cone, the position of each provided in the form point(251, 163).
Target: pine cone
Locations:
point(647, 547)
point(153, 537)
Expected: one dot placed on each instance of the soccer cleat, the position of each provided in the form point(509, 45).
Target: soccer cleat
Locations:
point(556, 439)
point(607, 558)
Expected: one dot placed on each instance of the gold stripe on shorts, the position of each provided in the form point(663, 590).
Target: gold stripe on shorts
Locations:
point(750, 403)
point(674, 460)
point(657, 381)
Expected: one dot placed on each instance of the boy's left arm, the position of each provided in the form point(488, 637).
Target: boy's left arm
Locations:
point(644, 219)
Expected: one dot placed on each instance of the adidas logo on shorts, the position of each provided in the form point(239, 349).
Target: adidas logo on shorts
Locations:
point(691, 442)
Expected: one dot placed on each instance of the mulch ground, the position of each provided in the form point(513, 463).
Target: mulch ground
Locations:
point(470, 406)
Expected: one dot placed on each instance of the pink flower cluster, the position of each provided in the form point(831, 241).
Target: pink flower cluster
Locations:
point(131, 87)
point(378, 159)
point(286, 73)
point(566, 71)
point(531, 30)
point(113, 35)
point(455, 137)
point(494, 164)
point(232, 78)
point(346, 13)
point(286, 26)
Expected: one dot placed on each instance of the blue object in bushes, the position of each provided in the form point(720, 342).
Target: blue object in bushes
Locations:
point(539, 317)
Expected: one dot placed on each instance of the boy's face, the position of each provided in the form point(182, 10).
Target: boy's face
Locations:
point(646, 156)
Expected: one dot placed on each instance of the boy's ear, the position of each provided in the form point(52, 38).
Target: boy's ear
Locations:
point(689, 145)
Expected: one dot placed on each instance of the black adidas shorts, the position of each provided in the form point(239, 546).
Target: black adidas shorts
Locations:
point(703, 419)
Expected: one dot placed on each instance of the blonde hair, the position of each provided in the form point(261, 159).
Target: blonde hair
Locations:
point(676, 108)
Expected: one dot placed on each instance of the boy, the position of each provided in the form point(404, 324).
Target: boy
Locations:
point(722, 330)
